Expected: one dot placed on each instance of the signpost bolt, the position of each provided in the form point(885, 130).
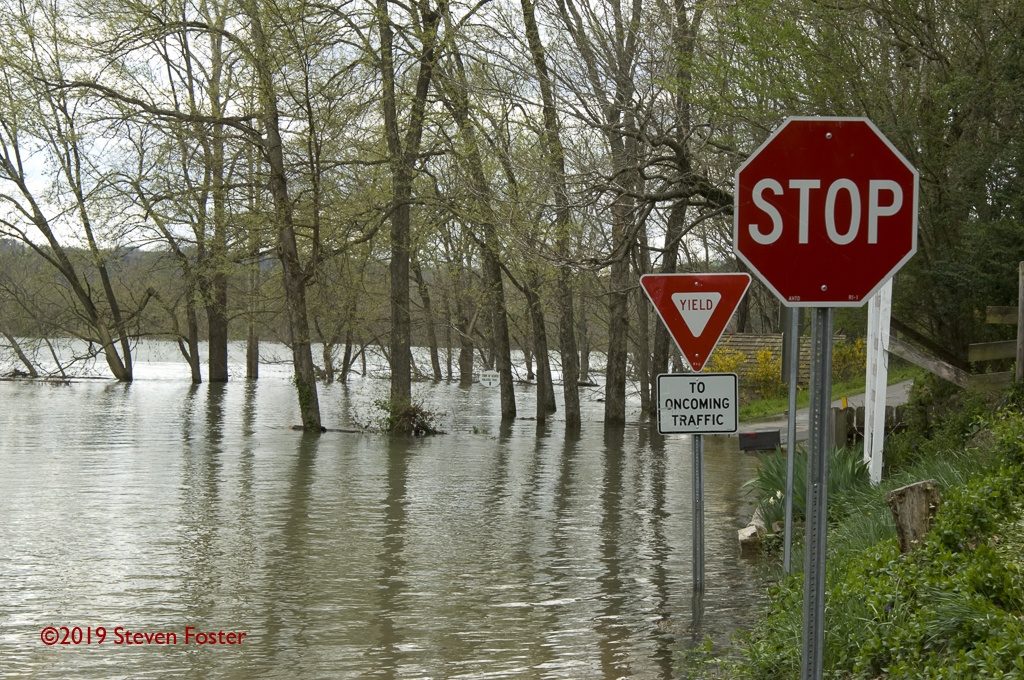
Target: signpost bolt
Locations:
point(824, 288)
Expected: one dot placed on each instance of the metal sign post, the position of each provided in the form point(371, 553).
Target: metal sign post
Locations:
point(698, 530)
point(835, 196)
point(696, 309)
point(812, 665)
point(696, 403)
point(794, 373)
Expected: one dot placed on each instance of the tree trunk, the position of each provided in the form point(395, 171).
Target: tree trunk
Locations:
point(669, 263)
point(217, 322)
point(555, 153)
point(346, 360)
point(252, 338)
point(217, 304)
point(648, 404)
point(294, 279)
point(428, 315)
point(448, 339)
point(458, 102)
point(192, 339)
point(403, 156)
point(12, 341)
point(584, 333)
point(252, 353)
point(914, 508)
point(465, 330)
point(401, 322)
point(567, 349)
point(545, 388)
point(618, 323)
point(502, 348)
point(328, 356)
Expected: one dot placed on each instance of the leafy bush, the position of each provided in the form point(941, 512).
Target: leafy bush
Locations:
point(1006, 428)
point(954, 607)
point(950, 609)
point(971, 513)
point(766, 376)
point(939, 418)
point(846, 473)
point(412, 419)
point(725, 360)
point(849, 360)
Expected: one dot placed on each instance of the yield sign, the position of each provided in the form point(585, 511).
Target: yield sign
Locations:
point(695, 308)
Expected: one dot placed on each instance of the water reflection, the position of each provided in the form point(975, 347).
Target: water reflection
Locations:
point(660, 550)
point(610, 626)
point(494, 551)
point(392, 569)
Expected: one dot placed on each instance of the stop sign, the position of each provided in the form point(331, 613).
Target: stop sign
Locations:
point(825, 211)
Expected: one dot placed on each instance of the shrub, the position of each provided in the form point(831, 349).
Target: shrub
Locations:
point(971, 513)
point(1006, 427)
point(939, 418)
point(849, 360)
point(412, 419)
point(725, 360)
point(766, 376)
point(847, 472)
point(950, 609)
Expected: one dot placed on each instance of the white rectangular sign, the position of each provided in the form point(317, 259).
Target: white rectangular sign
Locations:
point(698, 403)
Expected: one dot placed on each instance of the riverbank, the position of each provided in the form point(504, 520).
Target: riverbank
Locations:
point(953, 607)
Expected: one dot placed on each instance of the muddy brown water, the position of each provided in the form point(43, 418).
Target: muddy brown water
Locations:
point(160, 509)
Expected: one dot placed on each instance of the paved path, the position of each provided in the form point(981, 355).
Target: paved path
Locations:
point(895, 395)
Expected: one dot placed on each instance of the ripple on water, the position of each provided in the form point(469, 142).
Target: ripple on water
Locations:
point(509, 554)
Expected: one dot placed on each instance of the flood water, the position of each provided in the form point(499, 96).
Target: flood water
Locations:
point(486, 552)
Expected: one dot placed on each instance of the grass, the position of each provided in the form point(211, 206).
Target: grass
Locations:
point(953, 608)
point(847, 473)
point(765, 408)
point(950, 609)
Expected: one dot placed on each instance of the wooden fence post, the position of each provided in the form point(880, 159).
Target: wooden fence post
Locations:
point(1019, 371)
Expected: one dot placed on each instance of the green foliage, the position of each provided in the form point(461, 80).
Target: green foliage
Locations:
point(954, 607)
point(849, 360)
point(939, 418)
point(951, 609)
point(973, 512)
point(1006, 426)
point(846, 473)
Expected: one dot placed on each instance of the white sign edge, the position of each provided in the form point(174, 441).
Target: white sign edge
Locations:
point(750, 280)
point(736, 399)
point(736, 210)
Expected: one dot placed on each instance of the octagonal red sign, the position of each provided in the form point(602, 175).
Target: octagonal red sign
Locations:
point(825, 211)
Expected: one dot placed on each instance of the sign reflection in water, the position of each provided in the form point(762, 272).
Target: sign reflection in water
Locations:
point(502, 551)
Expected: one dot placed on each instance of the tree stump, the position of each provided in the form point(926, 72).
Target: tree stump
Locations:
point(914, 507)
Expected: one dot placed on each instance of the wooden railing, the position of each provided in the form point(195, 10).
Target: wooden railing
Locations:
point(978, 352)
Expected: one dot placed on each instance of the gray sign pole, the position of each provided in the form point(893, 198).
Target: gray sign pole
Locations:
point(794, 376)
point(812, 665)
point(698, 530)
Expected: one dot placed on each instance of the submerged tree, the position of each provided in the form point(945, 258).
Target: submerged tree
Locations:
point(38, 120)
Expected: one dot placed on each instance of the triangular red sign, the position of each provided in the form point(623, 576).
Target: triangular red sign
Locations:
point(695, 308)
